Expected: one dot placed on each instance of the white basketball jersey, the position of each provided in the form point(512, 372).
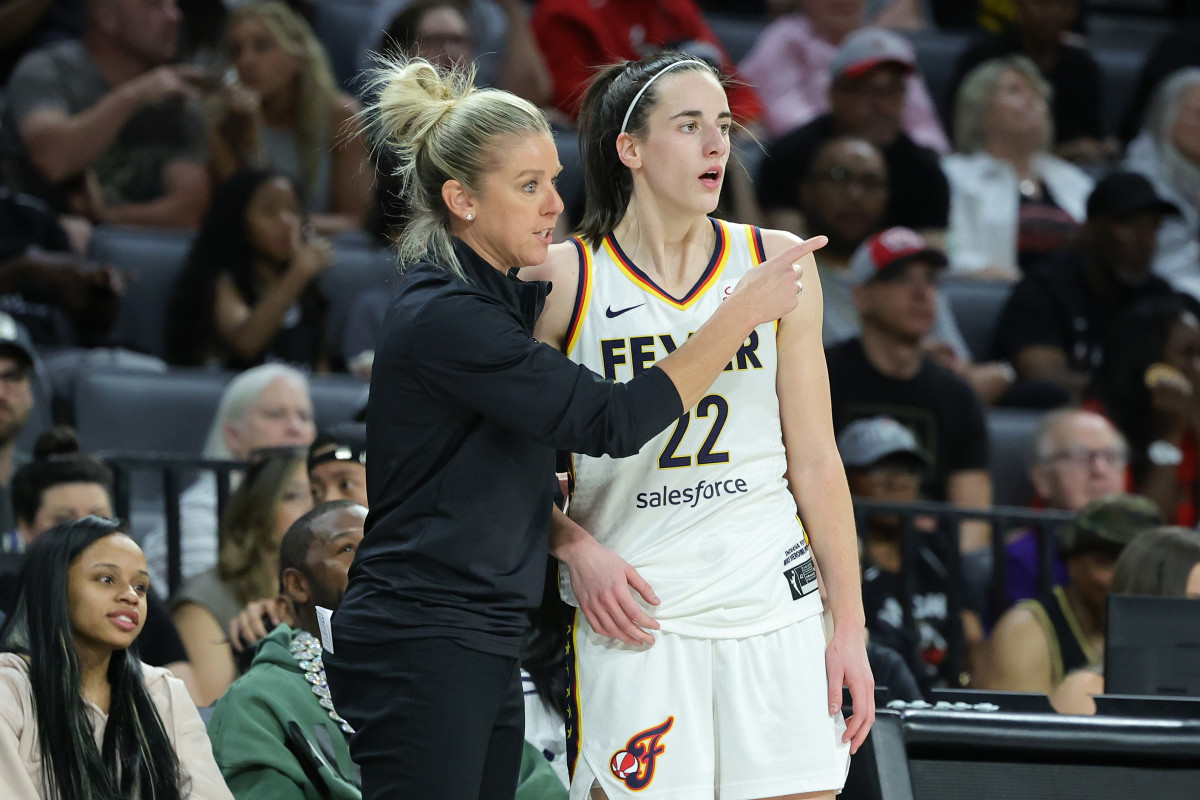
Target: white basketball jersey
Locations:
point(703, 511)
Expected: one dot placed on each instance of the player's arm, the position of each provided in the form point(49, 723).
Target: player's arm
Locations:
point(818, 482)
point(561, 268)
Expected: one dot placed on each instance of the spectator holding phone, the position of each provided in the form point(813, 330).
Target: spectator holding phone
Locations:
point(106, 122)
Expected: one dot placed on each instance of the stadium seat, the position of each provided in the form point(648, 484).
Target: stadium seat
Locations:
point(1010, 447)
point(1119, 72)
point(937, 54)
point(151, 260)
point(737, 32)
point(342, 27)
point(355, 270)
point(977, 305)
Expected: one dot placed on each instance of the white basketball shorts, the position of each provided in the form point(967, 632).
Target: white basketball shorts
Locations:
point(694, 719)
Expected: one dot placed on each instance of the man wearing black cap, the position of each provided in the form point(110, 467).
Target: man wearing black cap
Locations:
point(1055, 323)
point(16, 402)
point(1038, 642)
point(337, 464)
point(884, 463)
point(886, 370)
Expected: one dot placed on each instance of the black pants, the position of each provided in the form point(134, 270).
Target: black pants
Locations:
point(433, 720)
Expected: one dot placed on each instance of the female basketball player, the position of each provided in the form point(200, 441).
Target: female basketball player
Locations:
point(465, 414)
point(738, 694)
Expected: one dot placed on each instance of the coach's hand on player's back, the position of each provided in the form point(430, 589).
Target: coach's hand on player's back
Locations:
point(602, 582)
point(773, 288)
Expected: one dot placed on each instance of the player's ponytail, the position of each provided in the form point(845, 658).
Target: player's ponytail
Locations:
point(439, 127)
point(619, 95)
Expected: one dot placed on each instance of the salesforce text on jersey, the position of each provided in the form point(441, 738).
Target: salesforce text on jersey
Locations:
point(691, 496)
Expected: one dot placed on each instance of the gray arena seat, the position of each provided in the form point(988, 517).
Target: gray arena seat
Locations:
point(937, 53)
point(977, 305)
point(356, 270)
point(1010, 448)
point(1119, 71)
point(342, 27)
point(152, 260)
point(737, 32)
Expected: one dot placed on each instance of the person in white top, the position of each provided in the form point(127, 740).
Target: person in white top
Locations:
point(1011, 200)
point(80, 715)
point(735, 693)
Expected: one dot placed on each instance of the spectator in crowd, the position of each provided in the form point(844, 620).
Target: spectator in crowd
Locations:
point(884, 463)
point(577, 38)
point(62, 484)
point(337, 470)
point(284, 112)
point(886, 370)
point(1168, 153)
point(106, 123)
point(1078, 457)
point(498, 40)
point(268, 406)
point(1161, 562)
point(285, 686)
point(1147, 385)
point(844, 196)
point(866, 99)
point(1040, 33)
point(17, 368)
point(252, 727)
point(248, 292)
point(886, 367)
point(273, 496)
point(58, 295)
point(1055, 324)
point(337, 464)
point(29, 24)
point(80, 715)
point(790, 67)
point(1038, 642)
point(1012, 203)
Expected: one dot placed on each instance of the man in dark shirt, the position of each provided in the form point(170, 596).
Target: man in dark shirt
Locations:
point(866, 99)
point(886, 371)
point(1038, 33)
point(1055, 323)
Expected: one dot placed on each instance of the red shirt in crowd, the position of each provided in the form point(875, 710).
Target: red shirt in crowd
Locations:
point(578, 36)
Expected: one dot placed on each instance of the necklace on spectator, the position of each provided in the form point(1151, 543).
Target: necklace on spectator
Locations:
point(307, 651)
point(1028, 188)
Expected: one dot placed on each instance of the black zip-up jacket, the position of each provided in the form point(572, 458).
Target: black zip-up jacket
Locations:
point(466, 412)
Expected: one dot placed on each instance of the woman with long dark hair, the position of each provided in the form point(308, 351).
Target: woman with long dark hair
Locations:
point(248, 291)
point(80, 715)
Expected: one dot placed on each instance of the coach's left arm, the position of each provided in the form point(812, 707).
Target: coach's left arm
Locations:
point(818, 482)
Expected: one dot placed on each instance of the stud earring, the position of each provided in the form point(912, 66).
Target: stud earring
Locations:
point(470, 217)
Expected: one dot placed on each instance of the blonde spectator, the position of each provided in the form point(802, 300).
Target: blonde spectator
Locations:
point(274, 494)
point(284, 112)
point(1011, 200)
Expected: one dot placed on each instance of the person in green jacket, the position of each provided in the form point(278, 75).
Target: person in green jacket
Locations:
point(275, 733)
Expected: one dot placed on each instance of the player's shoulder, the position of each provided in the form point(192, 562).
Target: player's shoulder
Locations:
point(776, 241)
point(562, 261)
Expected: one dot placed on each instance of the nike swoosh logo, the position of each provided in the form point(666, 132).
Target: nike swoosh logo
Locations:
point(608, 312)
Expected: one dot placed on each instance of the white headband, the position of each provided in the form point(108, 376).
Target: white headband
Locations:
point(646, 86)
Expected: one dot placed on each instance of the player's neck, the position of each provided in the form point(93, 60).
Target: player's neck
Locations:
point(672, 251)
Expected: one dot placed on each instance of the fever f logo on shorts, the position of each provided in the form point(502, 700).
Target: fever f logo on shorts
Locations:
point(635, 764)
